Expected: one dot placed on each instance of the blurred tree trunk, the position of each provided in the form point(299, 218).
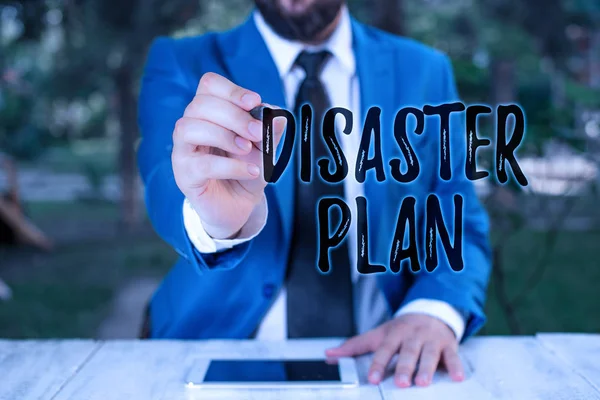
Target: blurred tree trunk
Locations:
point(594, 55)
point(503, 81)
point(503, 91)
point(127, 116)
point(389, 16)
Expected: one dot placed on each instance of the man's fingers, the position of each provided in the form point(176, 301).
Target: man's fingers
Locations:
point(197, 132)
point(219, 86)
point(382, 358)
point(453, 364)
point(228, 115)
point(428, 362)
point(407, 361)
point(354, 346)
point(209, 166)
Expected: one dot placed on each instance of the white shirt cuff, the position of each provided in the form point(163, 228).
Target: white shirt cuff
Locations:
point(437, 309)
point(206, 244)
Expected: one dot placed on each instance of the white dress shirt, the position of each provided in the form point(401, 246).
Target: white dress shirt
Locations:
point(341, 83)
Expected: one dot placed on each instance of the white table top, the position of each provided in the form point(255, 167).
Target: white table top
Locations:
point(547, 366)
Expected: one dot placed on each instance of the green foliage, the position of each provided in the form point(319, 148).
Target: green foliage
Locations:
point(591, 8)
point(95, 127)
point(94, 42)
point(473, 82)
point(20, 136)
point(583, 95)
point(25, 143)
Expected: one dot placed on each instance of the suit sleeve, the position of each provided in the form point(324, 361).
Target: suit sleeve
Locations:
point(165, 93)
point(464, 290)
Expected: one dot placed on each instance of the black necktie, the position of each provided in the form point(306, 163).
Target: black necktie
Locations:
point(318, 305)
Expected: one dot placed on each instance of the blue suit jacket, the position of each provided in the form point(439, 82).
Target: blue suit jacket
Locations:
point(225, 295)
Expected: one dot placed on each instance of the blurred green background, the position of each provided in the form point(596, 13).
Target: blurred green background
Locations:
point(69, 75)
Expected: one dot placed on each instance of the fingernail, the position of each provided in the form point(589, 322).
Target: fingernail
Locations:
point(423, 379)
point(253, 170)
point(375, 376)
point(255, 129)
point(250, 99)
point(459, 376)
point(242, 143)
point(403, 380)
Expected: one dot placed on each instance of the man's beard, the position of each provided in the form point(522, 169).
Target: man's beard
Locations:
point(304, 27)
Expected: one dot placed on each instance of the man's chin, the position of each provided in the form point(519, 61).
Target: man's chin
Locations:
point(302, 21)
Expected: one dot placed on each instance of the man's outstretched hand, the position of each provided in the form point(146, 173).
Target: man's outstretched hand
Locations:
point(416, 338)
point(217, 162)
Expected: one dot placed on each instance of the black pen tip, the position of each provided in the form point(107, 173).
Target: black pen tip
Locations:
point(256, 112)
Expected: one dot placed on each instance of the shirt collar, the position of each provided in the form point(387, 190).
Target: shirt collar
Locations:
point(285, 52)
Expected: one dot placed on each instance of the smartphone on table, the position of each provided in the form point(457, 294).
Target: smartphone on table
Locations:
point(272, 373)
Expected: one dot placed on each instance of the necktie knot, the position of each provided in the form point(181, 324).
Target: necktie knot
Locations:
point(312, 62)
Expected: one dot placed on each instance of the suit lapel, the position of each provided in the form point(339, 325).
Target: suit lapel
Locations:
point(247, 60)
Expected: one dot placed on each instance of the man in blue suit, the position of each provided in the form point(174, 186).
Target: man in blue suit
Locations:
point(248, 249)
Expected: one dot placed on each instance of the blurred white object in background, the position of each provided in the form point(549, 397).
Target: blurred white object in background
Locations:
point(559, 174)
point(5, 291)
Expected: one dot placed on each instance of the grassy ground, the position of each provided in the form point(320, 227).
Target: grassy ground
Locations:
point(93, 155)
point(68, 293)
point(567, 294)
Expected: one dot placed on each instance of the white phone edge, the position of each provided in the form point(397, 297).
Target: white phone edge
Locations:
point(346, 366)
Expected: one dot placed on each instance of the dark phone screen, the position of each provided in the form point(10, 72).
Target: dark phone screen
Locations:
point(271, 371)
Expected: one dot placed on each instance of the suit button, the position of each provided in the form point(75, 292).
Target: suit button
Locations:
point(268, 290)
